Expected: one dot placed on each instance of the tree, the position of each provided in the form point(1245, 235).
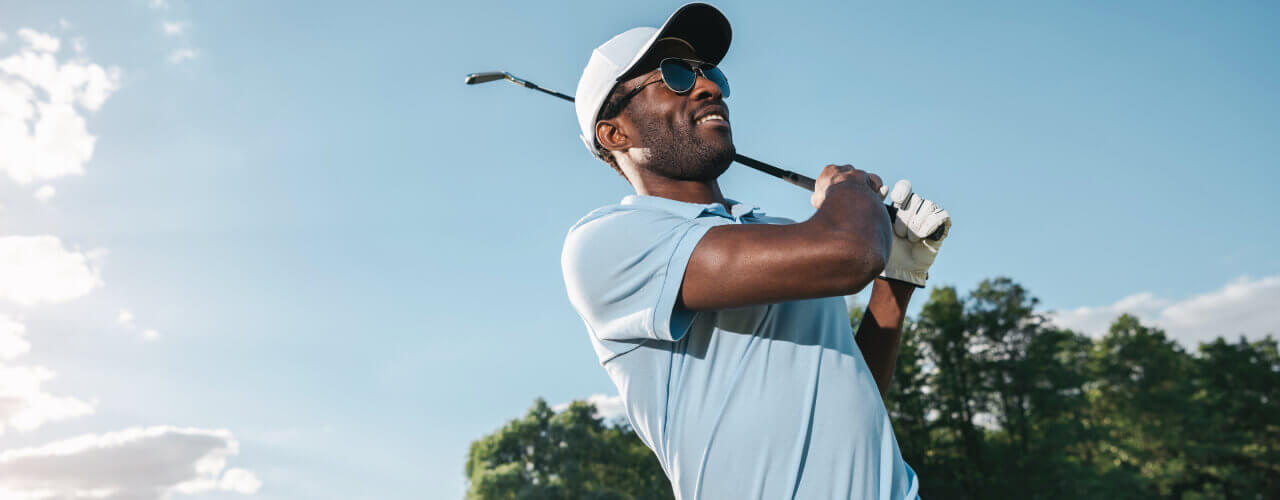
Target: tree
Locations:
point(568, 455)
point(956, 458)
point(1142, 390)
point(989, 400)
point(1034, 376)
point(1237, 390)
point(908, 398)
point(1004, 397)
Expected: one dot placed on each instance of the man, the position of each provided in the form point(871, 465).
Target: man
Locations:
point(725, 330)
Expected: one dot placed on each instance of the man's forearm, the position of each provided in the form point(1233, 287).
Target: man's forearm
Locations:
point(881, 329)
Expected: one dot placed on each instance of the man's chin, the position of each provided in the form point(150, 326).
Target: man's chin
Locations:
point(716, 146)
point(723, 158)
point(714, 165)
point(702, 159)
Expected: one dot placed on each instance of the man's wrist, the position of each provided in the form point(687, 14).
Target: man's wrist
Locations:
point(912, 281)
point(888, 303)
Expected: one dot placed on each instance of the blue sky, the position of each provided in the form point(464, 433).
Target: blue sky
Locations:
point(341, 265)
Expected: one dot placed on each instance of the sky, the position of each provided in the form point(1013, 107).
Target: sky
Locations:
point(278, 250)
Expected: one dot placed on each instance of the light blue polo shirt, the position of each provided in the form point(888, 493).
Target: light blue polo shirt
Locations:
point(766, 402)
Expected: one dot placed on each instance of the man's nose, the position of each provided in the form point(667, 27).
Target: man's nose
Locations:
point(705, 89)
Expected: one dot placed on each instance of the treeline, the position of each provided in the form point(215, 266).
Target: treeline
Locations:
point(990, 400)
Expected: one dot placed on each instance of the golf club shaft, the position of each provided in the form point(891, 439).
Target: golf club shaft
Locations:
point(781, 173)
point(530, 85)
point(802, 181)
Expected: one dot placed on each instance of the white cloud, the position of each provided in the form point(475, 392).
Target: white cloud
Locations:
point(45, 193)
point(159, 4)
point(43, 136)
point(240, 481)
point(64, 23)
point(1096, 320)
point(78, 44)
point(42, 129)
point(150, 334)
point(138, 463)
point(25, 406)
point(38, 269)
point(13, 338)
point(38, 41)
point(125, 318)
point(607, 407)
point(180, 55)
point(1244, 306)
point(174, 28)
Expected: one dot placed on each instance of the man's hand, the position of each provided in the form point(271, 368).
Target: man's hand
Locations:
point(845, 177)
point(915, 219)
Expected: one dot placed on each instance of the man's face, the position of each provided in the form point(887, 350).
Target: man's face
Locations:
point(667, 124)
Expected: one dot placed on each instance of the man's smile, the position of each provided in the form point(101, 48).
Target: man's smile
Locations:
point(716, 114)
point(714, 118)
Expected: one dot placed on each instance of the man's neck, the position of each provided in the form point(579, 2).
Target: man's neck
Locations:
point(702, 192)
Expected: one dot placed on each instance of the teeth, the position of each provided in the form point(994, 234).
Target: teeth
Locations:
point(711, 116)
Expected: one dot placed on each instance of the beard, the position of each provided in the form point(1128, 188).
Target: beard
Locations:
point(680, 153)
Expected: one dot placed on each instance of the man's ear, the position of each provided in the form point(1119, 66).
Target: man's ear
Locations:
point(611, 136)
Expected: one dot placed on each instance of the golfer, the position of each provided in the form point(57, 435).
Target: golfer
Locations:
point(725, 329)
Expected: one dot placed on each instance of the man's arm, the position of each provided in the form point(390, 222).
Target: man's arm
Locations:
point(907, 268)
point(881, 329)
point(836, 252)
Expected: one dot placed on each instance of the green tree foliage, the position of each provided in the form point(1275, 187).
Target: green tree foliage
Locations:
point(989, 400)
point(569, 455)
point(997, 402)
point(1237, 388)
point(1141, 401)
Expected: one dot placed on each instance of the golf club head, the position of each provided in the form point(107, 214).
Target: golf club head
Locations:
point(484, 77)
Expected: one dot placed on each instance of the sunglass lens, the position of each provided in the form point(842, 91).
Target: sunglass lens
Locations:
point(677, 75)
point(717, 77)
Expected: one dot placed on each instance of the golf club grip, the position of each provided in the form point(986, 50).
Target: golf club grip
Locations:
point(786, 175)
point(804, 182)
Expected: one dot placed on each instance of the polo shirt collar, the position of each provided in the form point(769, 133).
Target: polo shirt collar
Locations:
point(736, 210)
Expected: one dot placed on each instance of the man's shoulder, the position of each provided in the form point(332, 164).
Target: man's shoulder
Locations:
point(621, 231)
point(604, 212)
point(624, 217)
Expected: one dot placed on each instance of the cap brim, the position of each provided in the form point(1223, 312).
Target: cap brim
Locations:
point(702, 25)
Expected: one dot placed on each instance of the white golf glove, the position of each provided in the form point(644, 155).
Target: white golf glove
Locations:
point(913, 252)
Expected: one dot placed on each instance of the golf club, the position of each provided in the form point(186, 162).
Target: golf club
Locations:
point(784, 174)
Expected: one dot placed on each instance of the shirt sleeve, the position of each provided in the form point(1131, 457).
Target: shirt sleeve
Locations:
point(623, 271)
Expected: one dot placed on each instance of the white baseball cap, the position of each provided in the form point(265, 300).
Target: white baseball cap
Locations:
point(702, 25)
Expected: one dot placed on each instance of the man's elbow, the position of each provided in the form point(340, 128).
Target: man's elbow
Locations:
point(860, 264)
point(868, 269)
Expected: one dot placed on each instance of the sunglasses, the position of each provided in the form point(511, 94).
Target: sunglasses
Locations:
point(680, 76)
